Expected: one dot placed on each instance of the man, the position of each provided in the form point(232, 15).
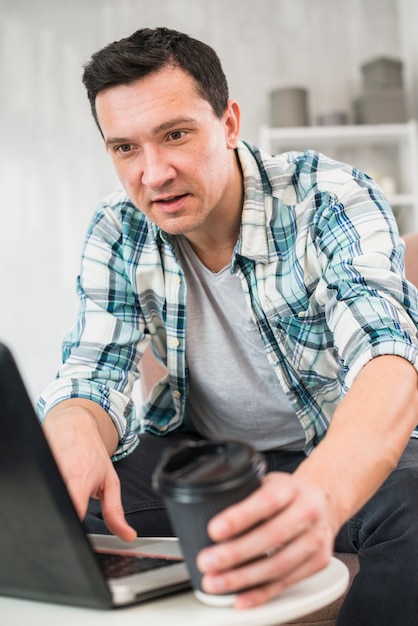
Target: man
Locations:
point(272, 288)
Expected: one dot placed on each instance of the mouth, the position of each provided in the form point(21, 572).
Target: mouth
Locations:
point(169, 199)
point(170, 203)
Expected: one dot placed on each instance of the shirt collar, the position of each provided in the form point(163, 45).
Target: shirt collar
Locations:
point(253, 241)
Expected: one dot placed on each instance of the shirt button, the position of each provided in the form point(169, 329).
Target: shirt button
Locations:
point(173, 342)
point(178, 279)
point(176, 393)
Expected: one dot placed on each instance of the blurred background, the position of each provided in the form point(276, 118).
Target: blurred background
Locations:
point(53, 168)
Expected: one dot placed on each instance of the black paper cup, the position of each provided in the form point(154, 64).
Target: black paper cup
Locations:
point(197, 480)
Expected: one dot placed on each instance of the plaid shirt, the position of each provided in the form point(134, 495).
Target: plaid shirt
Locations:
point(321, 264)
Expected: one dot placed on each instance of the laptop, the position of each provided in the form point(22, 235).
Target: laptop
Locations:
point(44, 552)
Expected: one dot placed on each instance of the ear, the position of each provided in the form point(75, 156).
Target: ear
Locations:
point(232, 121)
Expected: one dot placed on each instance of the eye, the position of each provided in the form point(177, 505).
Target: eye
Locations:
point(124, 148)
point(175, 135)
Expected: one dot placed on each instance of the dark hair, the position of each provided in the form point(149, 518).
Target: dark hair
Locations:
point(149, 50)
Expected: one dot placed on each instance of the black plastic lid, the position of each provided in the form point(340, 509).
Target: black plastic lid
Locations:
point(206, 467)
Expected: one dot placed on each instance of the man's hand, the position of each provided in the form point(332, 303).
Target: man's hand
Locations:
point(276, 537)
point(82, 438)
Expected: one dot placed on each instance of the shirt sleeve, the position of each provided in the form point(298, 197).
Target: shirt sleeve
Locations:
point(371, 308)
point(101, 353)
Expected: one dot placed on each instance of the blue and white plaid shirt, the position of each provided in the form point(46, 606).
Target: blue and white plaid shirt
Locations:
point(321, 264)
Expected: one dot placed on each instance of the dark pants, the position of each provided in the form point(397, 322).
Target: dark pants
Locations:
point(384, 532)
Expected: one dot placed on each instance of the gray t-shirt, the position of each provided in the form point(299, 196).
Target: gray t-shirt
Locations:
point(234, 391)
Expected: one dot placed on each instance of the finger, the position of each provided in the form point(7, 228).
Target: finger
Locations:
point(80, 497)
point(259, 595)
point(276, 572)
point(281, 529)
point(275, 494)
point(113, 513)
point(264, 539)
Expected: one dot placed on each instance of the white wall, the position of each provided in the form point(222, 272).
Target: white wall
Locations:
point(53, 169)
point(408, 20)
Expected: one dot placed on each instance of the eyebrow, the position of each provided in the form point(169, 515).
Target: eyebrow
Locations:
point(164, 126)
point(177, 121)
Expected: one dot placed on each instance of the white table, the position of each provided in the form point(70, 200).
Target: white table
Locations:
point(183, 609)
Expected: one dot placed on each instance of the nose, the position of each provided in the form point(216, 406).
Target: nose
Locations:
point(157, 169)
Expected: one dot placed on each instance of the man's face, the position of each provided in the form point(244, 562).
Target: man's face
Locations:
point(173, 156)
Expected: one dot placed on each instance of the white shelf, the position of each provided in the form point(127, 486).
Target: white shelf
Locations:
point(381, 150)
point(371, 133)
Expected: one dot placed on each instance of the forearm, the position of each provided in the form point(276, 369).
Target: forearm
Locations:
point(368, 434)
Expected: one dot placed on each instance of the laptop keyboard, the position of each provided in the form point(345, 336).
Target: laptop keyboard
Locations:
point(118, 565)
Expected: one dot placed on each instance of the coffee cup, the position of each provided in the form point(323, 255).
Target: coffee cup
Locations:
point(197, 480)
